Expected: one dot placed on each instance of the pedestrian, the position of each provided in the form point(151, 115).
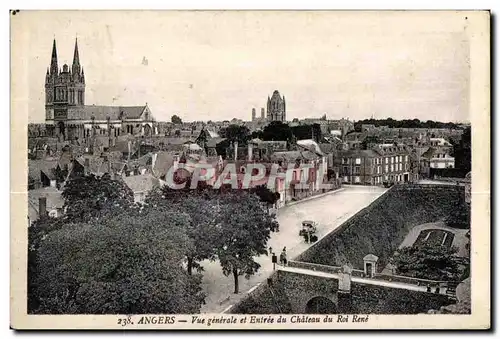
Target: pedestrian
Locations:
point(283, 255)
point(270, 250)
point(282, 258)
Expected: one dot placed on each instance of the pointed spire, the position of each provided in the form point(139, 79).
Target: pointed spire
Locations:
point(76, 60)
point(53, 62)
point(76, 57)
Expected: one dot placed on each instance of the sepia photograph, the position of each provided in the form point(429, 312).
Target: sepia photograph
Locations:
point(250, 169)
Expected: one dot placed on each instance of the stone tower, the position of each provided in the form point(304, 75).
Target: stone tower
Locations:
point(254, 114)
point(63, 88)
point(276, 107)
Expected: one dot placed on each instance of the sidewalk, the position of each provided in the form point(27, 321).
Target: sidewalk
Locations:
point(291, 203)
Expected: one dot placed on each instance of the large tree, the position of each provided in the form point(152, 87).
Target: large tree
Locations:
point(432, 262)
point(90, 197)
point(201, 207)
point(245, 227)
point(176, 119)
point(277, 131)
point(236, 133)
point(462, 151)
point(265, 195)
point(130, 264)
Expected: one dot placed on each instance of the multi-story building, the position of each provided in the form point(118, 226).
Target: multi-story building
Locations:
point(375, 166)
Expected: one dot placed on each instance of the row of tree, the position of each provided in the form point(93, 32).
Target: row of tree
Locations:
point(109, 255)
point(274, 131)
point(405, 123)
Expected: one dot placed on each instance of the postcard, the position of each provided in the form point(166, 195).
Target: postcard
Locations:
point(250, 170)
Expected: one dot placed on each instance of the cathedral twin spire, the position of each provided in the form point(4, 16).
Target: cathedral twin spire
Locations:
point(76, 69)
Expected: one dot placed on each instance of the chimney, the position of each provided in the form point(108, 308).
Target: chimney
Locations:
point(86, 166)
point(153, 160)
point(235, 150)
point(110, 170)
point(42, 207)
point(108, 123)
point(250, 151)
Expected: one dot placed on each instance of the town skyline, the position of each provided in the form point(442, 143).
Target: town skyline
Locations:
point(213, 75)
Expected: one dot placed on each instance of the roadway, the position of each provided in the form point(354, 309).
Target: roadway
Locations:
point(330, 210)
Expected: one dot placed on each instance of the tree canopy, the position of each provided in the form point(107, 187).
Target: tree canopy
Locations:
point(266, 196)
point(90, 197)
point(277, 131)
point(405, 123)
point(132, 265)
point(302, 132)
point(245, 228)
point(428, 262)
point(176, 119)
point(462, 151)
point(235, 133)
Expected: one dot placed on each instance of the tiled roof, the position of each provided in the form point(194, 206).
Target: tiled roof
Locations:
point(54, 200)
point(212, 134)
point(35, 167)
point(310, 145)
point(141, 183)
point(164, 161)
point(292, 156)
point(97, 165)
point(214, 141)
point(103, 112)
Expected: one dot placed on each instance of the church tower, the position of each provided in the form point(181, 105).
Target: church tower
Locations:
point(276, 107)
point(63, 88)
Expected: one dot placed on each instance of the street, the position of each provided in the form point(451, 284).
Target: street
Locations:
point(329, 211)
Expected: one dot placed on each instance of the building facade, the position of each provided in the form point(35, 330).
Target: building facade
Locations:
point(276, 107)
point(68, 118)
point(370, 167)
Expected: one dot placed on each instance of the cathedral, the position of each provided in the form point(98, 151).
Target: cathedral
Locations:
point(276, 108)
point(68, 118)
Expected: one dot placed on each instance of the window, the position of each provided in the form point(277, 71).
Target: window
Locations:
point(386, 168)
point(346, 179)
point(392, 168)
point(345, 160)
point(346, 170)
point(379, 169)
point(387, 160)
point(358, 161)
point(406, 158)
point(356, 169)
point(357, 179)
point(400, 166)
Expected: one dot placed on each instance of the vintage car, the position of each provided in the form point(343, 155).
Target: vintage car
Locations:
point(308, 227)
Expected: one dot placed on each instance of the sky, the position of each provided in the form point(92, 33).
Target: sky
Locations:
point(220, 65)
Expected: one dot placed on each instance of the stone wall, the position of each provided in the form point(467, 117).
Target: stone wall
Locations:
point(374, 299)
point(301, 288)
point(291, 293)
point(381, 227)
